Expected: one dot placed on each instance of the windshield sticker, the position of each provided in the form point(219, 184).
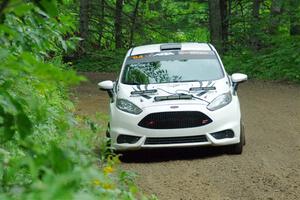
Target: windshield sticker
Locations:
point(171, 55)
point(195, 53)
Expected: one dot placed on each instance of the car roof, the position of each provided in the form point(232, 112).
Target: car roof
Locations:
point(153, 48)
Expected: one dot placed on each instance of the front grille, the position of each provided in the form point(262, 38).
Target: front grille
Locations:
point(171, 120)
point(175, 140)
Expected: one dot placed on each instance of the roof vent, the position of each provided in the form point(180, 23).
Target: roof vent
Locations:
point(166, 47)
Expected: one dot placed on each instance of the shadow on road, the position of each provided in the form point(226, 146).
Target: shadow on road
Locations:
point(167, 154)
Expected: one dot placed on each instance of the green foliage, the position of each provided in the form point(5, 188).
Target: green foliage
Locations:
point(261, 41)
point(171, 21)
point(263, 47)
point(280, 61)
point(45, 151)
point(156, 21)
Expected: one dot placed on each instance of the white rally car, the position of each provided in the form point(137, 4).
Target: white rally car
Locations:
point(174, 95)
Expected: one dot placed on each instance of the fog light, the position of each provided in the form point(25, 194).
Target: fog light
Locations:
point(127, 139)
point(223, 134)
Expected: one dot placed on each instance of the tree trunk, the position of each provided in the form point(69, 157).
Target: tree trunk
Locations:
point(84, 22)
point(225, 21)
point(133, 22)
point(215, 23)
point(101, 22)
point(276, 9)
point(255, 43)
point(294, 17)
point(118, 23)
point(255, 9)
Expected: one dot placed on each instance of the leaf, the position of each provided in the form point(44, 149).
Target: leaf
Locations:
point(22, 8)
point(3, 53)
point(50, 6)
point(6, 127)
point(63, 43)
point(59, 160)
point(24, 125)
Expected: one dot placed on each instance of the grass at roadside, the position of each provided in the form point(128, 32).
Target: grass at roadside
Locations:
point(100, 61)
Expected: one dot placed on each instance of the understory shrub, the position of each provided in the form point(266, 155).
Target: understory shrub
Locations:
point(46, 152)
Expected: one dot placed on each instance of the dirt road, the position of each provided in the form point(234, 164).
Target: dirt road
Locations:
point(269, 167)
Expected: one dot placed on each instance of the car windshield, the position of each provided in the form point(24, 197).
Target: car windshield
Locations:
point(171, 67)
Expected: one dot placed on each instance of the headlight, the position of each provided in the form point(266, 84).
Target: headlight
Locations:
point(220, 102)
point(127, 106)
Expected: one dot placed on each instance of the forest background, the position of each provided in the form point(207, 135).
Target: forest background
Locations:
point(49, 152)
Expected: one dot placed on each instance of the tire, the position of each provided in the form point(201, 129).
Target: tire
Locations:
point(238, 148)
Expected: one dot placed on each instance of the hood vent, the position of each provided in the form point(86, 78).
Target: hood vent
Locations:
point(173, 97)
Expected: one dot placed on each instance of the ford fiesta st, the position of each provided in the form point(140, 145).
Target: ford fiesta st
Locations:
point(174, 95)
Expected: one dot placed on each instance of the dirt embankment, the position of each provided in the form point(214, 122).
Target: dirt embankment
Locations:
point(269, 167)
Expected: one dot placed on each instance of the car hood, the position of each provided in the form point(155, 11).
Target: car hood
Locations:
point(200, 96)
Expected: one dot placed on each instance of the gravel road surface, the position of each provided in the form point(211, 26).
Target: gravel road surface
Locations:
point(269, 167)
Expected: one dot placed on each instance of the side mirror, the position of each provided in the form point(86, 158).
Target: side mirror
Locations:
point(238, 77)
point(107, 86)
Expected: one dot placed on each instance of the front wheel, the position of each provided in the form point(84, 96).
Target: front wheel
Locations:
point(238, 148)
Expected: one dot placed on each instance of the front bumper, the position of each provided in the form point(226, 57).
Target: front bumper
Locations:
point(226, 118)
